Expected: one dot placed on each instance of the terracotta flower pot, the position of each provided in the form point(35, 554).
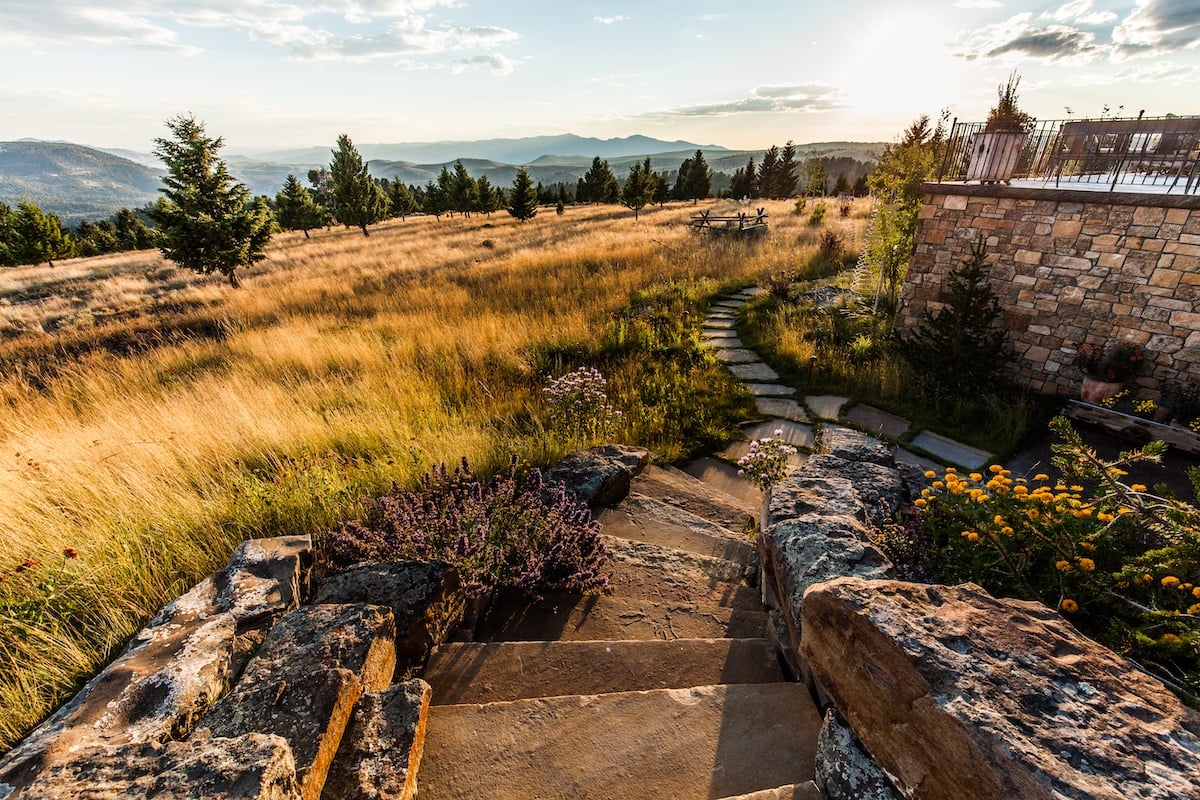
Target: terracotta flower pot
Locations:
point(1094, 390)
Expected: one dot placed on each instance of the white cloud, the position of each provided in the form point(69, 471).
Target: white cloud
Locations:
point(765, 99)
point(976, 4)
point(1155, 27)
point(1080, 12)
point(1019, 36)
point(1158, 72)
point(611, 20)
point(495, 63)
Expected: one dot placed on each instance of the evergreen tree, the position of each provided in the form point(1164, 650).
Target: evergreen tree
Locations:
point(445, 185)
point(662, 187)
point(33, 236)
point(356, 199)
point(322, 187)
point(523, 199)
point(435, 200)
point(598, 185)
point(860, 185)
point(206, 220)
point(400, 198)
point(694, 180)
point(842, 184)
point(296, 209)
point(744, 183)
point(95, 240)
point(639, 187)
point(785, 179)
point(961, 348)
point(132, 233)
point(488, 200)
point(464, 191)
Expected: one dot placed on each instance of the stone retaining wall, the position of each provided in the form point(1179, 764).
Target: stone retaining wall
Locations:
point(1070, 267)
point(945, 692)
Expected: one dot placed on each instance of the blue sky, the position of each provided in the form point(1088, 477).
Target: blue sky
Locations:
point(276, 73)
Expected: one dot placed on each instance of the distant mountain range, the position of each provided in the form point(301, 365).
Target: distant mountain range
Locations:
point(74, 181)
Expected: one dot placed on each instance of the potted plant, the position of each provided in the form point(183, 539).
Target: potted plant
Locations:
point(1107, 370)
point(995, 151)
point(1180, 399)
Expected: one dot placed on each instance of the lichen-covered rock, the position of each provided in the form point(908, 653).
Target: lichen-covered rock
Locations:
point(600, 476)
point(957, 694)
point(304, 681)
point(426, 599)
point(381, 750)
point(182, 661)
point(835, 486)
point(814, 548)
point(844, 771)
point(251, 767)
point(854, 445)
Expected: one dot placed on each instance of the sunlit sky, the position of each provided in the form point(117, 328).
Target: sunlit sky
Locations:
point(268, 74)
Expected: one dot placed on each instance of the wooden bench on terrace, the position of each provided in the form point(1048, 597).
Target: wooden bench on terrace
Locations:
point(741, 224)
point(1163, 147)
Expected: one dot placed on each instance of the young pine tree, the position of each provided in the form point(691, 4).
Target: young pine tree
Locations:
point(356, 199)
point(207, 221)
point(639, 187)
point(523, 200)
point(960, 349)
point(296, 209)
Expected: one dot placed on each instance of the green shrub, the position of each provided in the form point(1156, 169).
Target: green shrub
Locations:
point(818, 214)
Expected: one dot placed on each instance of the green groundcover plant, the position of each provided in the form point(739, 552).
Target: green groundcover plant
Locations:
point(1120, 561)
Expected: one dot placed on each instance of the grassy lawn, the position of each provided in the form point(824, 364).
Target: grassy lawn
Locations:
point(152, 419)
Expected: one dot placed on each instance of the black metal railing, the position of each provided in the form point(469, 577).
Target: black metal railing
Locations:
point(1160, 153)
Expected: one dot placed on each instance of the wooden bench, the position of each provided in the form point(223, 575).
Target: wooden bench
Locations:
point(1166, 147)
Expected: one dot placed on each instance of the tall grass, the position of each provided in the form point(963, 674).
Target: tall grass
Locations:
point(150, 419)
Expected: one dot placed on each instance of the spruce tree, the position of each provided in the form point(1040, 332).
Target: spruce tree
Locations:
point(768, 174)
point(464, 191)
point(785, 179)
point(699, 179)
point(206, 220)
point(598, 185)
point(523, 200)
point(487, 202)
point(400, 198)
point(296, 209)
point(960, 349)
point(355, 197)
point(34, 236)
point(132, 233)
point(639, 187)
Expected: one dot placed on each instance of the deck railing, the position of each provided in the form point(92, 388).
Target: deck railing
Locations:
point(1159, 153)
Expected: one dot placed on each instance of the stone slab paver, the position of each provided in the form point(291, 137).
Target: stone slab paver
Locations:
point(723, 476)
point(826, 406)
point(736, 355)
point(719, 324)
point(728, 338)
point(769, 390)
point(720, 314)
point(728, 305)
point(794, 433)
point(909, 457)
point(947, 449)
point(758, 372)
point(875, 420)
point(780, 407)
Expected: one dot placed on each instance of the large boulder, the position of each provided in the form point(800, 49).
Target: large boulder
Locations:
point(251, 767)
point(178, 665)
point(303, 683)
point(957, 694)
point(854, 445)
point(426, 599)
point(382, 748)
point(600, 476)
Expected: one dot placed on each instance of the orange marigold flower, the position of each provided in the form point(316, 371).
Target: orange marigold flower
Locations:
point(998, 520)
point(1007, 531)
point(1170, 638)
point(1069, 606)
point(973, 537)
point(930, 474)
point(1196, 592)
point(1194, 609)
point(1032, 513)
point(1041, 476)
point(1138, 487)
point(975, 476)
point(1062, 565)
point(995, 468)
point(1169, 581)
point(1087, 565)
point(1087, 546)
point(920, 502)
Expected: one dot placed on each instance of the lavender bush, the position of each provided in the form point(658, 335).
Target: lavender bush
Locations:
point(579, 406)
point(511, 530)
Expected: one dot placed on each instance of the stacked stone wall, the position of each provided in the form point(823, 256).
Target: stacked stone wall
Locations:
point(1070, 267)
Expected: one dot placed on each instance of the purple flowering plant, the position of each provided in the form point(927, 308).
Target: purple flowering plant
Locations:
point(579, 405)
point(767, 462)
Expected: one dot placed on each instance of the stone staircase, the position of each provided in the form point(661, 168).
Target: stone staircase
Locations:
point(667, 688)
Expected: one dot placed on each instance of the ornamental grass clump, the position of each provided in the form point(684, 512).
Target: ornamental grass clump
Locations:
point(512, 530)
point(767, 462)
point(579, 405)
point(1120, 561)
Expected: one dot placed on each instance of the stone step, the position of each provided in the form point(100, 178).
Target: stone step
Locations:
point(651, 571)
point(642, 519)
point(569, 617)
point(722, 475)
point(702, 742)
point(800, 791)
point(479, 672)
point(678, 488)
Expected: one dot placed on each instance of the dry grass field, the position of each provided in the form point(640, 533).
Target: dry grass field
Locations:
point(151, 419)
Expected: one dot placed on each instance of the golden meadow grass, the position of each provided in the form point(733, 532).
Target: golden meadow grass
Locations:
point(343, 364)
